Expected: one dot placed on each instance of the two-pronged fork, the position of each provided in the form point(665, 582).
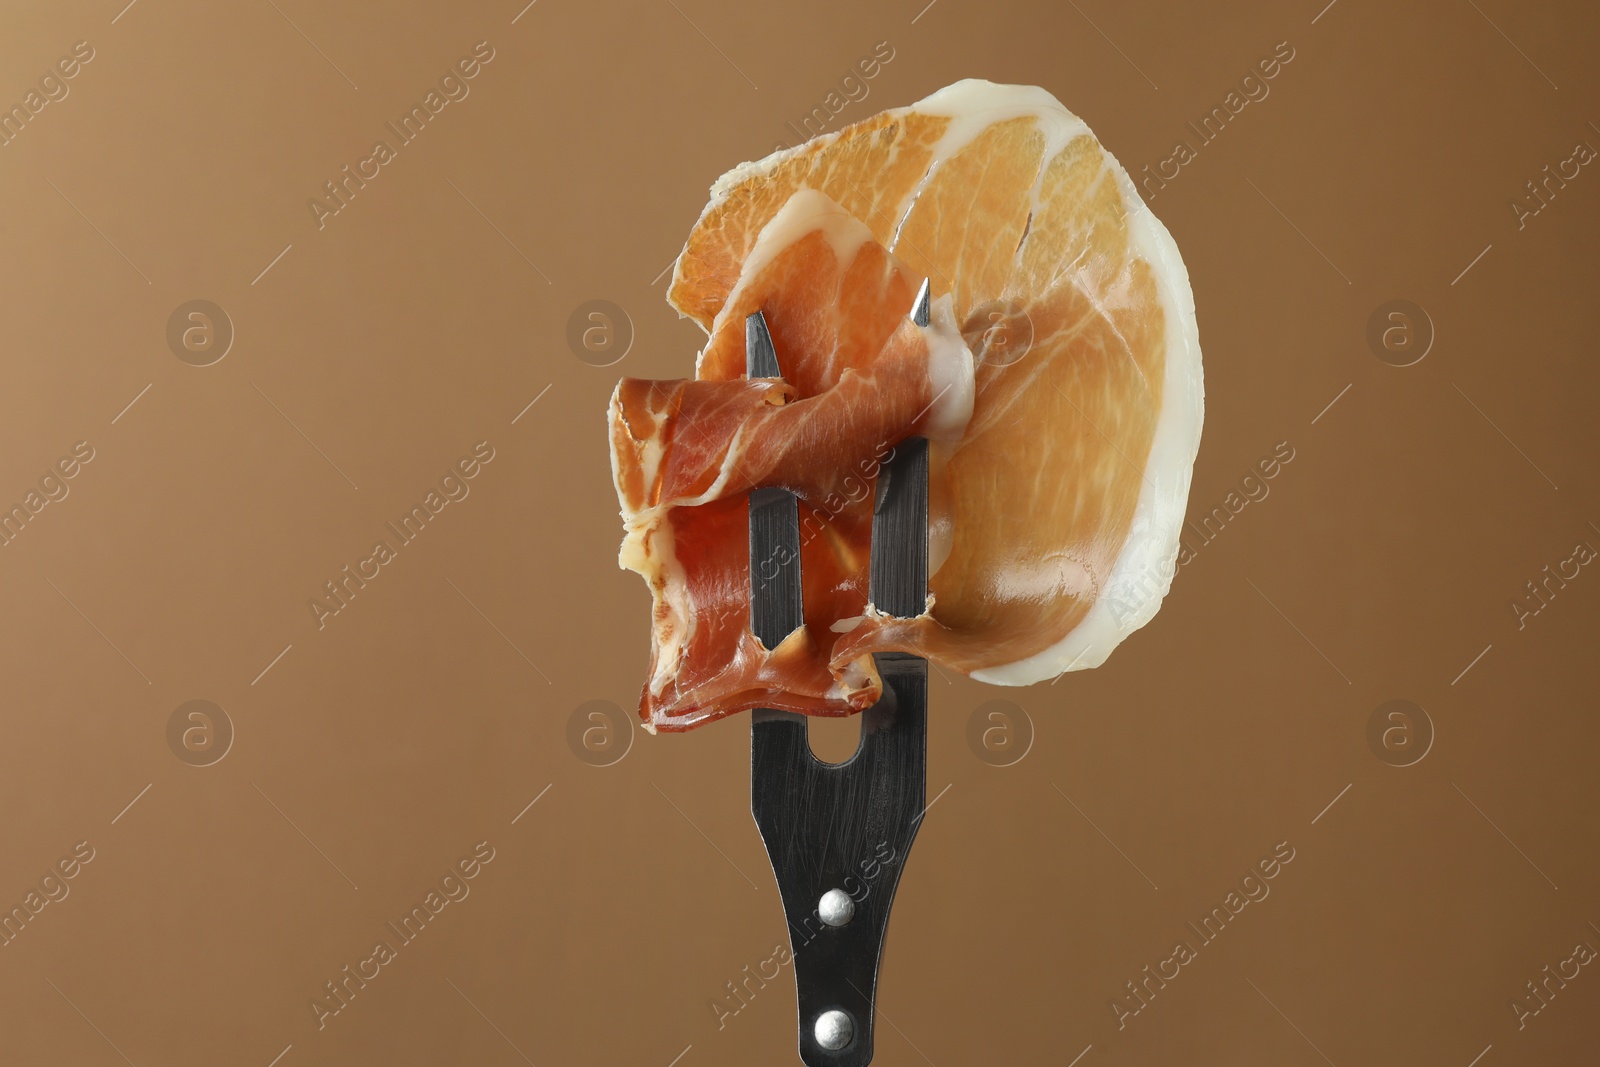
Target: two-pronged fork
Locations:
point(838, 834)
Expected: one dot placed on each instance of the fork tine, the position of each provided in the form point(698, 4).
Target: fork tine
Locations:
point(775, 602)
point(760, 357)
point(922, 307)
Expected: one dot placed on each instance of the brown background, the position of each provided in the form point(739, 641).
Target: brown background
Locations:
point(424, 718)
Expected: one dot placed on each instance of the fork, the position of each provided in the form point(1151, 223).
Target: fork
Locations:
point(837, 835)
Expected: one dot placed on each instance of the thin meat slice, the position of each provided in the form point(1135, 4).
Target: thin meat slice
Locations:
point(860, 377)
point(1060, 387)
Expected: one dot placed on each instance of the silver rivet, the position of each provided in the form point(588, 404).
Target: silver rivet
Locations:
point(834, 1030)
point(836, 908)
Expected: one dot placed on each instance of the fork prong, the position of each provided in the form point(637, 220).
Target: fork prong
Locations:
point(921, 315)
point(776, 608)
point(922, 307)
point(761, 358)
point(898, 575)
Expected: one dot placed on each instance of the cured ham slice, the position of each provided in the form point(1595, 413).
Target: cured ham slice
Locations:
point(1059, 385)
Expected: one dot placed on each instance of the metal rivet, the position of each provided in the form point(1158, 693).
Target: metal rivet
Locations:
point(836, 908)
point(834, 1030)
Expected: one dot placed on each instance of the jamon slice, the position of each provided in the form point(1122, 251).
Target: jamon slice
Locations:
point(686, 453)
point(1059, 461)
